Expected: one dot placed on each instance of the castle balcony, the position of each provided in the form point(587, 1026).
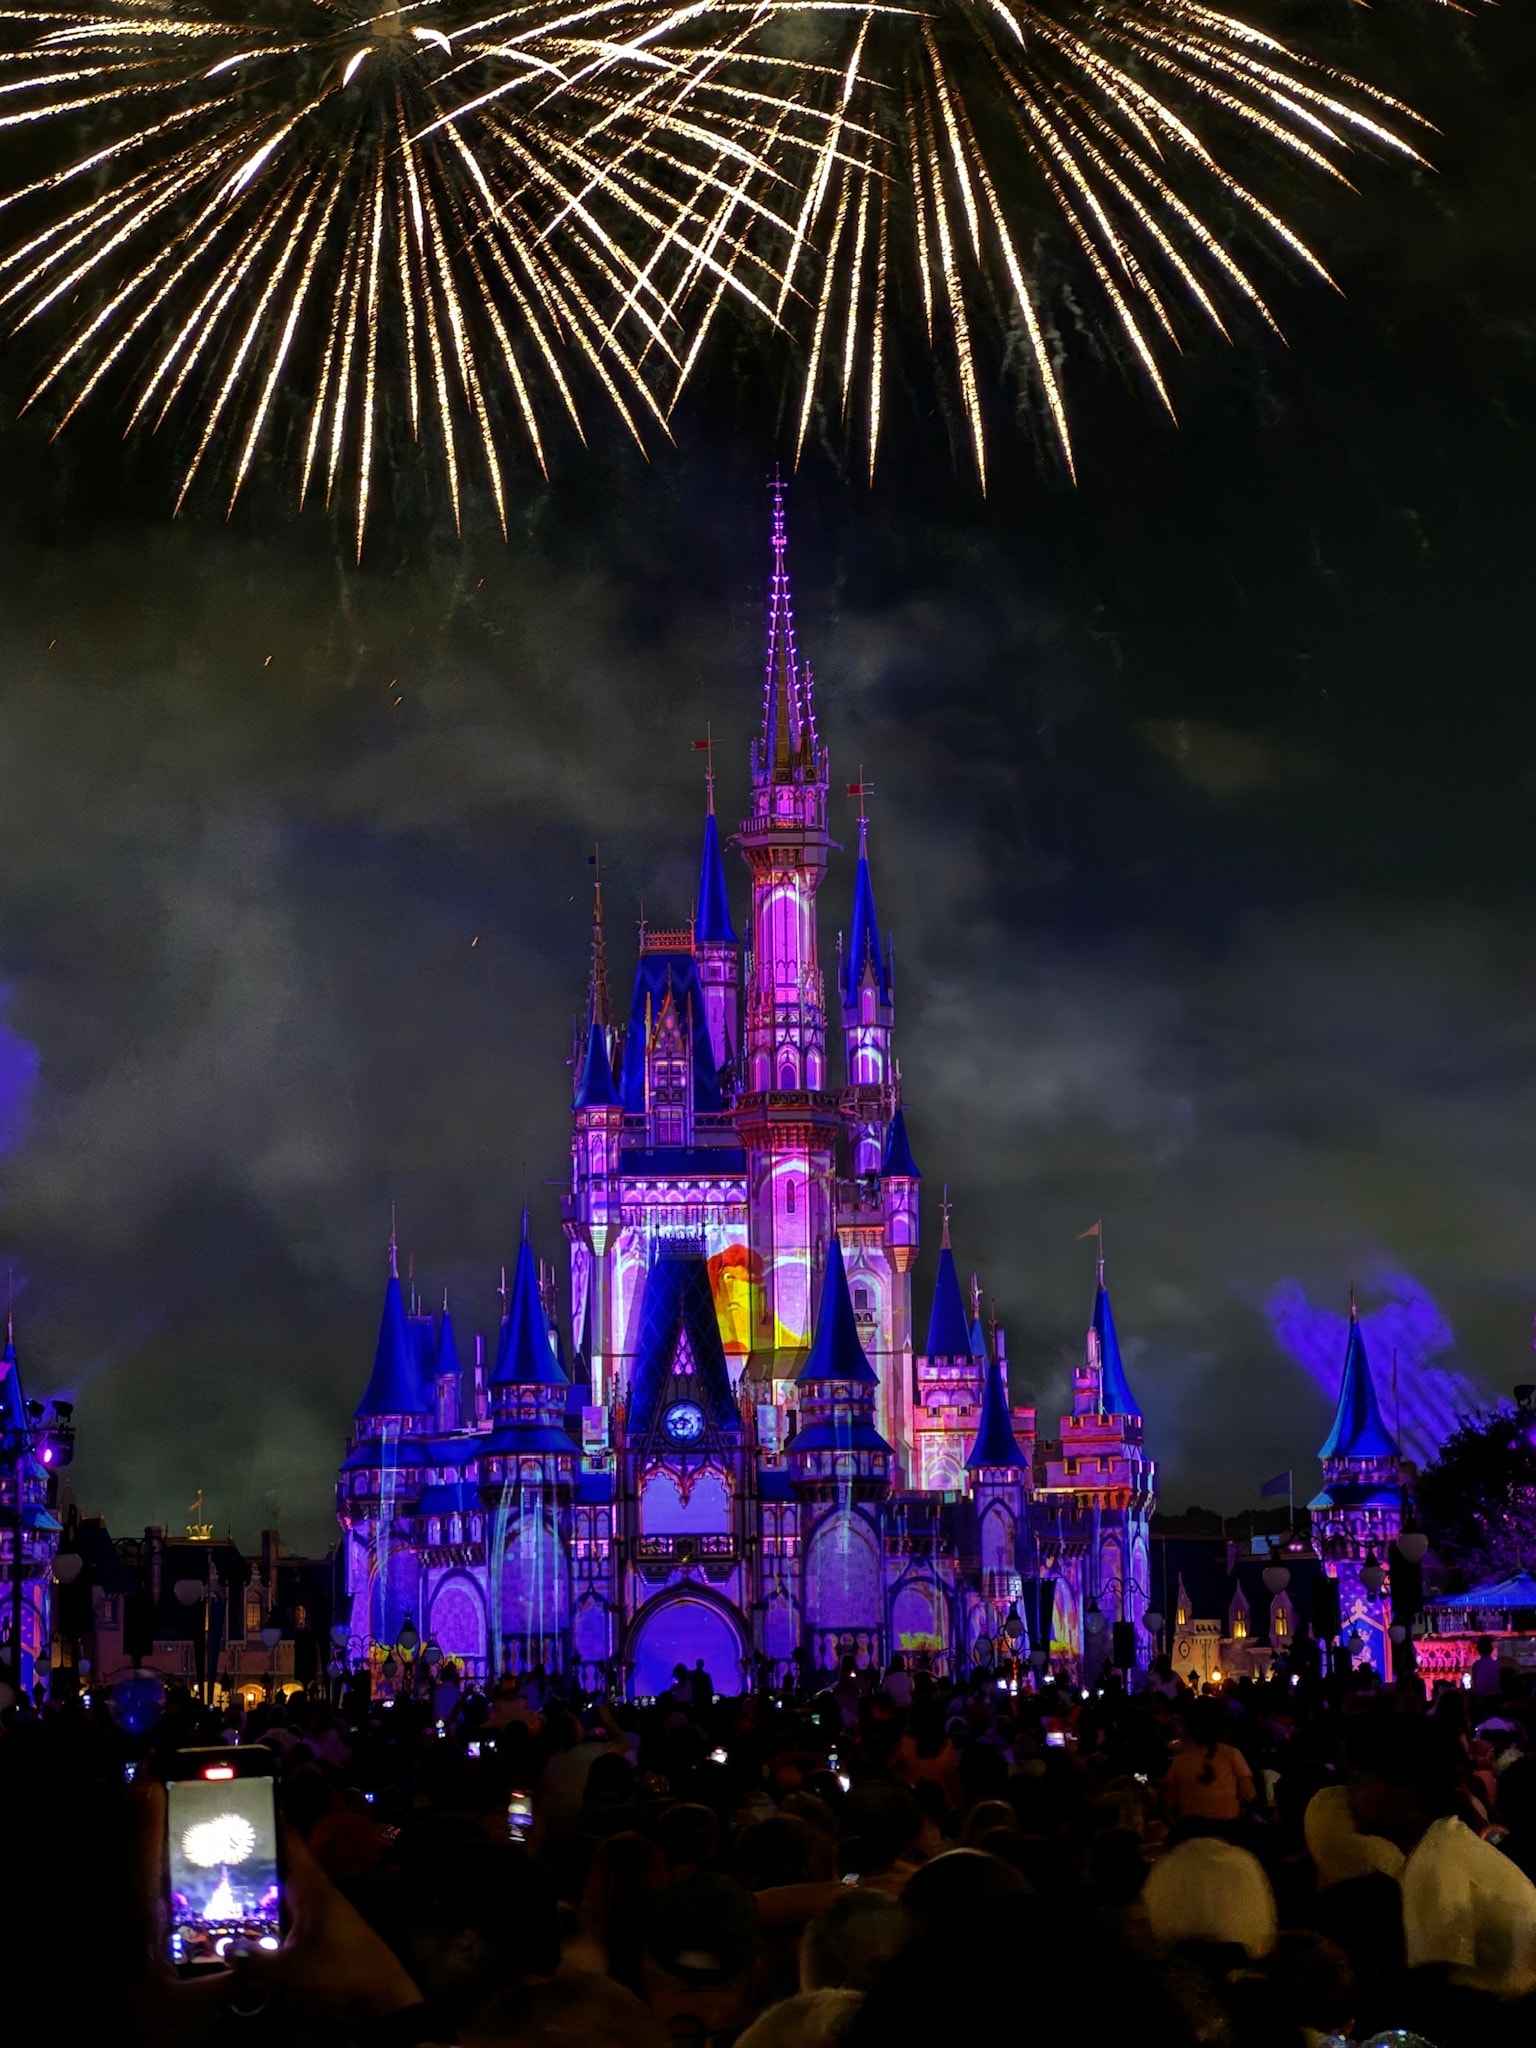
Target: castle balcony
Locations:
point(680, 1549)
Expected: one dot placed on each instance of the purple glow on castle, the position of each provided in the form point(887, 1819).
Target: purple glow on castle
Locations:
point(725, 1435)
point(1408, 1323)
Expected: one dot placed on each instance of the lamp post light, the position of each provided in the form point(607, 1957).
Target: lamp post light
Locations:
point(1413, 1544)
point(1373, 1575)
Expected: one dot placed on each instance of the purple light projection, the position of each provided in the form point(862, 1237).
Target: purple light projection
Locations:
point(1430, 1398)
point(18, 1078)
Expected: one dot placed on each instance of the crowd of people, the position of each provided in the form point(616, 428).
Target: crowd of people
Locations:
point(894, 1859)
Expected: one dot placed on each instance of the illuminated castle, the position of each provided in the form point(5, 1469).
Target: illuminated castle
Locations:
point(752, 1457)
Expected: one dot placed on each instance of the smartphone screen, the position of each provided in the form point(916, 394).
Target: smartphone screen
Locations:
point(221, 1854)
point(471, 1749)
point(519, 1816)
point(1055, 1739)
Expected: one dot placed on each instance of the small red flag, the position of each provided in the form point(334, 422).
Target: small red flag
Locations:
point(701, 746)
point(861, 789)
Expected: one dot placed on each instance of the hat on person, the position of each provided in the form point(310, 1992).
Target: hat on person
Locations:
point(704, 1929)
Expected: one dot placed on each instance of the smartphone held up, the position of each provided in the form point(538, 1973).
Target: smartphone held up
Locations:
point(221, 1853)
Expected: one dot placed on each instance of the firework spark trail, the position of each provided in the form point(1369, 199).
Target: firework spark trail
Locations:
point(982, 122)
point(376, 221)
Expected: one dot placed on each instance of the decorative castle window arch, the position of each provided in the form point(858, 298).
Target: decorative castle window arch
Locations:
point(789, 1197)
point(684, 1503)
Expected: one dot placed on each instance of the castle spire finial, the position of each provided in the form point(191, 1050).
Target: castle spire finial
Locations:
point(706, 747)
point(1354, 1306)
point(599, 998)
point(788, 747)
point(945, 1205)
point(394, 1246)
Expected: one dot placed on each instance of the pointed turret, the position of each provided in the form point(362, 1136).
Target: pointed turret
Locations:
point(996, 1447)
point(397, 1385)
point(864, 961)
point(1116, 1397)
point(447, 1381)
point(13, 1405)
point(527, 1357)
point(898, 1161)
point(836, 1353)
point(712, 923)
point(599, 997)
point(948, 1333)
point(595, 1087)
point(716, 949)
point(1358, 1430)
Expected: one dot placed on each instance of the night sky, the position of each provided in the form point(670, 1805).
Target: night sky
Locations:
point(1203, 822)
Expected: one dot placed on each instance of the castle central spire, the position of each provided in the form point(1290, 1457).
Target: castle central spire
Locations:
point(789, 750)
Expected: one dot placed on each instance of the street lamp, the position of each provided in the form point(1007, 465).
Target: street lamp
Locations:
point(1413, 1544)
point(1373, 1575)
point(1276, 1577)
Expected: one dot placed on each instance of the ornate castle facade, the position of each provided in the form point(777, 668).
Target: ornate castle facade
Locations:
point(752, 1456)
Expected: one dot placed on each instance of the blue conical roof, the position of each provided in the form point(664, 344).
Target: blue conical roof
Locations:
point(712, 925)
point(996, 1444)
point(1358, 1430)
point(948, 1334)
point(447, 1359)
point(398, 1385)
point(1117, 1395)
point(13, 1405)
point(836, 1353)
point(898, 1150)
point(978, 1340)
point(864, 932)
point(594, 1084)
point(526, 1357)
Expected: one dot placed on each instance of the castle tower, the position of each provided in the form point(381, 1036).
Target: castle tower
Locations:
point(949, 1380)
point(27, 1520)
point(1099, 1488)
point(787, 1120)
point(869, 1016)
point(447, 1376)
point(669, 1074)
point(526, 1468)
point(595, 1211)
point(997, 1474)
point(840, 1473)
point(717, 950)
point(382, 1474)
point(1359, 1513)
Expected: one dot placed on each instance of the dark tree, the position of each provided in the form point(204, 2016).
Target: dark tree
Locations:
point(1477, 1501)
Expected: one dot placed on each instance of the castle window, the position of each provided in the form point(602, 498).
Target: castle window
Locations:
point(301, 1616)
point(253, 1610)
point(789, 1198)
point(861, 1297)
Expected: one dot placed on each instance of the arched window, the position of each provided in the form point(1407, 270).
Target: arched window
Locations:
point(861, 1298)
point(789, 1198)
point(253, 1610)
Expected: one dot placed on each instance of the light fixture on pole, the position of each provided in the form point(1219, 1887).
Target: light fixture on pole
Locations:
point(1373, 1575)
point(1276, 1577)
point(1413, 1544)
